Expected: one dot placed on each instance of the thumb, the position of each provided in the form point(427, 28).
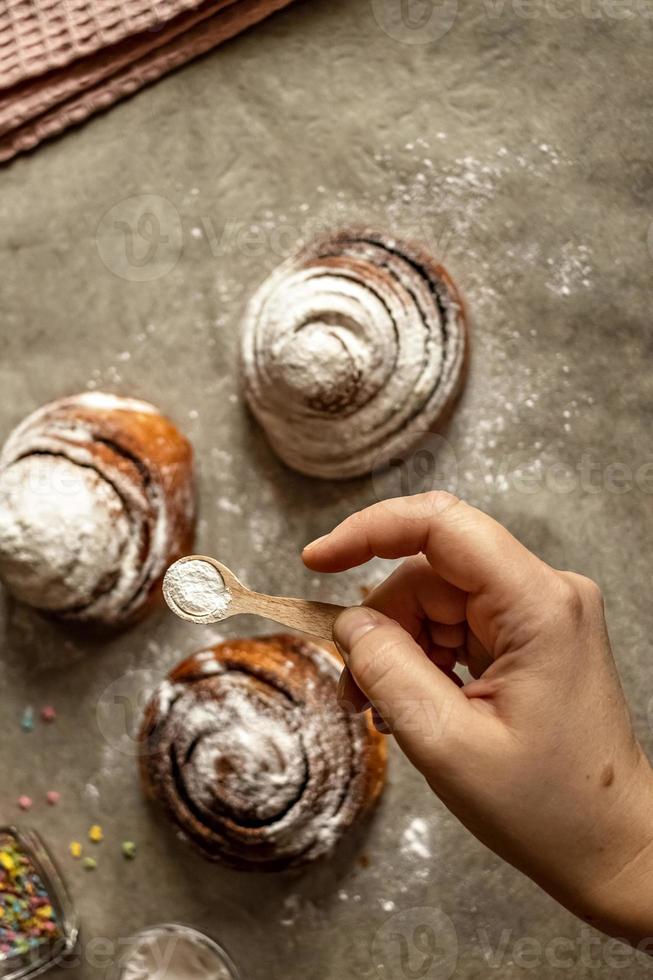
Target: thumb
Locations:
point(417, 702)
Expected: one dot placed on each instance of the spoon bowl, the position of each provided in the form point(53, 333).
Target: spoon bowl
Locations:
point(203, 590)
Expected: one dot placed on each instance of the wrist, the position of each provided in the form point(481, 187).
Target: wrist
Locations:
point(618, 894)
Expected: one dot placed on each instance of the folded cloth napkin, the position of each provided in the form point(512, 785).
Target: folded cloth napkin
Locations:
point(62, 60)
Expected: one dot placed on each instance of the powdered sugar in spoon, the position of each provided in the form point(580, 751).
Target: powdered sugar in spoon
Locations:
point(203, 590)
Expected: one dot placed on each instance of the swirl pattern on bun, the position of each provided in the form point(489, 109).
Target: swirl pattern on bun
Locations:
point(248, 752)
point(352, 351)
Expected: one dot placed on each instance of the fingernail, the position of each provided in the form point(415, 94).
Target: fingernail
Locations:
point(344, 696)
point(311, 544)
point(350, 626)
point(342, 685)
point(379, 723)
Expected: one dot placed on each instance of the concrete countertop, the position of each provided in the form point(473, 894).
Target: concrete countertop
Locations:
point(512, 138)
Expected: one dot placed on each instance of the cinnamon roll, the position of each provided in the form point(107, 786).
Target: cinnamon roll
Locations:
point(351, 351)
point(248, 752)
point(96, 500)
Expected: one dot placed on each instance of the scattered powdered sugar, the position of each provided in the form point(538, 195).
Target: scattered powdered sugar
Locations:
point(570, 269)
point(92, 794)
point(229, 506)
point(442, 200)
point(298, 909)
point(196, 591)
point(415, 840)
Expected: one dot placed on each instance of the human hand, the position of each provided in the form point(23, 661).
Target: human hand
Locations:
point(536, 755)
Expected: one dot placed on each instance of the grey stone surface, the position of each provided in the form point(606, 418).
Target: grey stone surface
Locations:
point(517, 145)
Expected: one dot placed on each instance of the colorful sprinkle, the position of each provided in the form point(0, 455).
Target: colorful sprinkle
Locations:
point(27, 917)
point(129, 849)
point(89, 864)
point(48, 714)
point(27, 721)
point(25, 802)
point(75, 848)
point(7, 861)
point(95, 834)
point(53, 797)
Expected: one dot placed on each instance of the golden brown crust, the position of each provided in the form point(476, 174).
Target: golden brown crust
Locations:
point(248, 752)
point(146, 445)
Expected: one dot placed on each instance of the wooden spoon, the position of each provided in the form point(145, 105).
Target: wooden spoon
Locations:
point(203, 590)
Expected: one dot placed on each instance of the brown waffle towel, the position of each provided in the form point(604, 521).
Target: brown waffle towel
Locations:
point(62, 60)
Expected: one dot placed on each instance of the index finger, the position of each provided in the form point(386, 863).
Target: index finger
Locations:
point(465, 546)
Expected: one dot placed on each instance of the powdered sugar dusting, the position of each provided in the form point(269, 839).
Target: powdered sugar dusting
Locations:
point(80, 533)
point(165, 695)
point(107, 401)
point(63, 531)
point(258, 750)
point(257, 756)
point(350, 351)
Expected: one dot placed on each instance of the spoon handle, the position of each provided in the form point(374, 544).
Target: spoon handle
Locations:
point(316, 618)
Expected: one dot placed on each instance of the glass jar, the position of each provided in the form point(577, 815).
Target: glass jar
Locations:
point(38, 923)
point(170, 951)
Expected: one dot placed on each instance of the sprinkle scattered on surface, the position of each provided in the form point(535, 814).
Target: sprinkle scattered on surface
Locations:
point(75, 848)
point(27, 720)
point(129, 849)
point(95, 834)
point(53, 797)
point(27, 918)
point(89, 864)
point(48, 714)
point(25, 802)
